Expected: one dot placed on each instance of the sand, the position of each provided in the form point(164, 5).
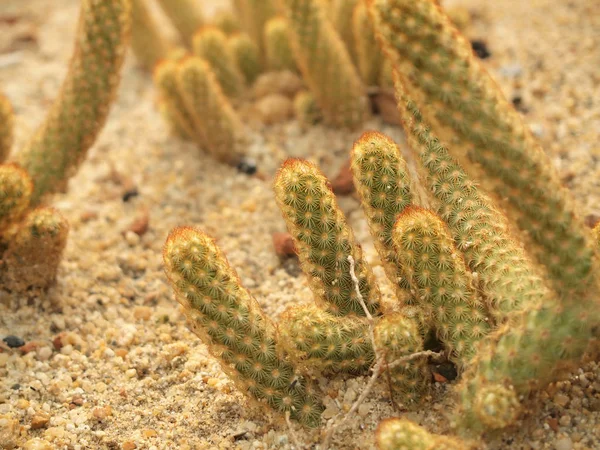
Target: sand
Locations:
point(108, 361)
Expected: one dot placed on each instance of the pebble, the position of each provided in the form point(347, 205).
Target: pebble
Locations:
point(563, 444)
point(40, 420)
point(37, 444)
point(142, 312)
point(14, 341)
point(44, 353)
point(561, 399)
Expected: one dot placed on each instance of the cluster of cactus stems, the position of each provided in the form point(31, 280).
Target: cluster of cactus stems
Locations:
point(505, 276)
point(186, 16)
point(32, 236)
point(148, 43)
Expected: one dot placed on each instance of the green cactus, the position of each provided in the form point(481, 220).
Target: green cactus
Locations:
point(227, 22)
point(186, 16)
point(325, 64)
point(34, 250)
point(247, 56)
point(230, 322)
point(462, 104)
point(323, 240)
point(402, 434)
point(369, 58)
point(278, 50)
point(254, 15)
point(210, 43)
point(341, 12)
point(444, 285)
point(147, 41)
point(15, 193)
point(79, 112)
point(6, 127)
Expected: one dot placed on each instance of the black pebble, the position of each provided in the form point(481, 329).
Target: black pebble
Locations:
point(247, 166)
point(128, 195)
point(480, 49)
point(14, 341)
point(16, 387)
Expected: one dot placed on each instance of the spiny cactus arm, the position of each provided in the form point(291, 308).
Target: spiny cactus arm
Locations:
point(462, 104)
point(254, 15)
point(383, 185)
point(402, 434)
point(227, 22)
point(172, 102)
point(246, 55)
point(147, 41)
point(323, 239)
point(34, 251)
point(230, 322)
point(506, 276)
point(443, 283)
point(325, 63)
point(319, 340)
point(368, 54)
point(278, 50)
point(211, 112)
point(186, 16)
point(341, 16)
point(210, 43)
point(7, 124)
point(79, 112)
point(397, 336)
point(15, 193)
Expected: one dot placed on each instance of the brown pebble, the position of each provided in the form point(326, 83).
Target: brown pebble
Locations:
point(39, 420)
point(284, 244)
point(86, 216)
point(148, 433)
point(102, 413)
point(142, 312)
point(591, 220)
point(342, 184)
point(128, 445)
point(141, 224)
point(31, 346)
point(121, 352)
point(552, 423)
point(77, 400)
point(386, 107)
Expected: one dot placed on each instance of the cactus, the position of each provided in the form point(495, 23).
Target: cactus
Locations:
point(254, 15)
point(185, 15)
point(196, 108)
point(306, 109)
point(369, 58)
point(210, 43)
point(460, 101)
point(6, 127)
point(230, 322)
point(15, 193)
point(443, 283)
point(402, 434)
point(278, 50)
point(34, 250)
point(323, 239)
point(147, 41)
point(79, 112)
point(341, 12)
point(325, 64)
point(227, 22)
point(247, 56)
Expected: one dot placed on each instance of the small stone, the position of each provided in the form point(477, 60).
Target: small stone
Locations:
point(480, 48)
point(343, 184)
point(563, 444)
point(131, 373)
point(128, 445)
point(102, 413)
point(284, 244)
point(247, 166)
point(148, 433)
point(37, 444)
point(561, 399)
point(129, 194)
point(142, 312)
point(39, 420)
point(14, 341)
point(565, 420)
point(140, 225)
point(44, 353)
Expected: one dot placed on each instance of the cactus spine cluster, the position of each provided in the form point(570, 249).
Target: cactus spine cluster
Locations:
point(197, 108)
point(231, 323)
point(79, 112)
point(325, 63)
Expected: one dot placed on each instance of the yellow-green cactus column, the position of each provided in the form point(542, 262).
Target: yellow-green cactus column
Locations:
point(369, 58)
point(464, 106)
point(230, 322)
point(402, 434)
point(323, 240)
point(254, 15)
point(15, 193)
point(341, 16)
point(6, 127)
point(147, 41)
point(210, 43)
point(278, 50)
point(186, 16)
point(210, 111)
point(444, 286)
point(325, 64)
point(79, 112)
point(34, 250)
point(246, 55)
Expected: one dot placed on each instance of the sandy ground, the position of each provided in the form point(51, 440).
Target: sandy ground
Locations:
point(110, 362)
